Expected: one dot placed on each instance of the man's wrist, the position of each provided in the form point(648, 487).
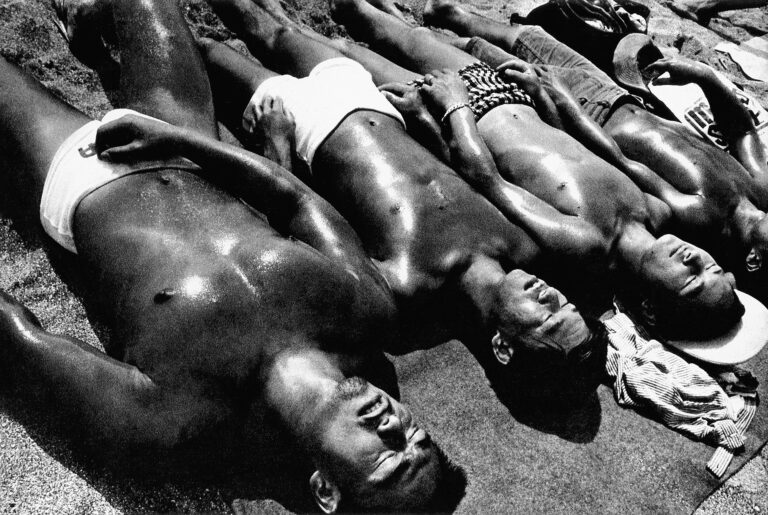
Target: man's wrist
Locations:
point(452, 109)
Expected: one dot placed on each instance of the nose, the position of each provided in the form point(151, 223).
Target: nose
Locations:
point(391, 430)
point(692, 258)
point(550, 298)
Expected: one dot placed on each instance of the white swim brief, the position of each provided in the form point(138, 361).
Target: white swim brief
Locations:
point(76, 171)
point(319, 102)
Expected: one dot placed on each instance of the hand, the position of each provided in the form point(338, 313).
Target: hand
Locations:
point(524, 75)
point(407, 100)
point(681, 71)
point(444, 88)
point(134, 138)
point(271, 120)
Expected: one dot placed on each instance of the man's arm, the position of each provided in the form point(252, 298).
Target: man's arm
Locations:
point(108, 401)
point(731, 115)
point(470, 157)
point(422, 126)
point(290, 205)
point(685, 208)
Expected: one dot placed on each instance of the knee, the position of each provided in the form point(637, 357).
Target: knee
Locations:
point(342, 45)
point(421, 36)
point(281, 35)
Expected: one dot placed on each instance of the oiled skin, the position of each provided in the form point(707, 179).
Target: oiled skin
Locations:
point(186, 268)
point(576, 182)
point(538, 158)
point(417, 218)
point(689, 163)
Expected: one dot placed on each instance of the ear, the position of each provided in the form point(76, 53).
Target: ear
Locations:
point(325, 492)
point(648, 312)
point(501, 349)
point(754, 260)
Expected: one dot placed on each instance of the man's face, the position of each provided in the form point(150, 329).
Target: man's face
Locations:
point(687, 274)
point(372, 440)
point(532, 311)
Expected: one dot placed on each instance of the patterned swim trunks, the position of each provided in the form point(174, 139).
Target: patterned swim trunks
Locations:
point(488, 90)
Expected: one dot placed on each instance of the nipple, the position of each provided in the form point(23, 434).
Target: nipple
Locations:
point(164, 295)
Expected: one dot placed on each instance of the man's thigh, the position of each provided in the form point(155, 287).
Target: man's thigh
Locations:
point(33, 124)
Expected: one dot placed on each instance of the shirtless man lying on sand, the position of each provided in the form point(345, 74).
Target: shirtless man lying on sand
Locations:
point(213, 310)
point(449, 256)
point(601, 215)
point(730, 192)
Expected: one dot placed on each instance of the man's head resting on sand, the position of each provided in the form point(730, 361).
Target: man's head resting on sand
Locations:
point(536, 323)
point(370, 455)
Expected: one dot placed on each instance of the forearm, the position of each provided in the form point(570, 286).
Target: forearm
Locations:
point(289, 204)
point(549, 227)
point(469, 154)
point(428, 133)
point(730, 114)
point(280, 151)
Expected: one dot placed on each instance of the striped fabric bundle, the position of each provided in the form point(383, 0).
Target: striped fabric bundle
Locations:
point(682, 395)
point(488, 90)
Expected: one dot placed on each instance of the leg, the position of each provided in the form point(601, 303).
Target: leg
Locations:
point(418, 49)
point(701, 11)
point(233, 77)
point(161, 73)
point(33, 123)
point(448, 15)
point(277, 42)
point(382, 69)
point(529, 43)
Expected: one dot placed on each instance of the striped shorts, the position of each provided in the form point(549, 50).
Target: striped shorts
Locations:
point(487, 89)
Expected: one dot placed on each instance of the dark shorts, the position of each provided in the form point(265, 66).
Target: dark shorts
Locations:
point(595, 91)
point(488, 90)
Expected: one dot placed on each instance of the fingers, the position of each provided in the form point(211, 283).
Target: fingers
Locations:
point(251, 116)
point(121, 153)
point(398, 88)
point(393, 99)
point(115, 133)
point(514, 64)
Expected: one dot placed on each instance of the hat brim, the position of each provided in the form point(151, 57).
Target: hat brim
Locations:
point(739, 344)
point(627, 65)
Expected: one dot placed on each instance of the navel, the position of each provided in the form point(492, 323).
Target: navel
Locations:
point(164, 295)
point(373, 123)
point(164, 179)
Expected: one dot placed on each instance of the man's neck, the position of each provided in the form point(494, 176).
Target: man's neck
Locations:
point(745, 218)
point(480, 283)
point(634, 242)
point(298, 385)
